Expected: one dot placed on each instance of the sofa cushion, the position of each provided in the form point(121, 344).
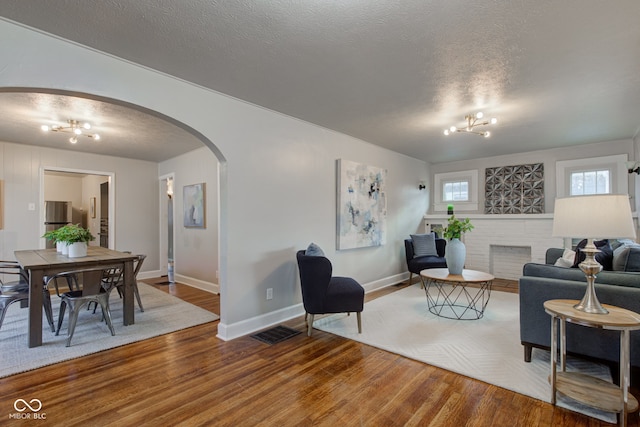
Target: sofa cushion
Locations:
point(604, 257)
point(424, 244)
point(314, 250)
point(619, 278)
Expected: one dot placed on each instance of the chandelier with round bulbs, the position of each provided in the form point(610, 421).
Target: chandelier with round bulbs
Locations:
point(473, 121)
point(75, 127)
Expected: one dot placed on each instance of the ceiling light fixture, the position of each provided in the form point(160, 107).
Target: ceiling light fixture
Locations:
point(472, 123)
point(74, 127)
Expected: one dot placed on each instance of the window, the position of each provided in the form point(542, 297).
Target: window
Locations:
point(457, 188)
point(590, 182)
point(455, 191)
point(595, 175)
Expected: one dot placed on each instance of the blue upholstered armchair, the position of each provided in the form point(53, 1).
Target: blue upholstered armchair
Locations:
point(323, 294)
point(416, 264)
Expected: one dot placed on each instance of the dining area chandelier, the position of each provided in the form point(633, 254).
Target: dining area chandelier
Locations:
point(473, 121)
point(74, 127)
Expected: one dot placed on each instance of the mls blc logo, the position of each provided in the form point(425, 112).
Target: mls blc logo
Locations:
point(28, 410)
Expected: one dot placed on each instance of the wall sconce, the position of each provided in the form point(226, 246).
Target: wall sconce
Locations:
point(633, 167)
point(170, 187)
point(421, 185)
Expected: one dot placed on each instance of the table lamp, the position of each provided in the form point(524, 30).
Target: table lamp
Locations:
point(604, 216)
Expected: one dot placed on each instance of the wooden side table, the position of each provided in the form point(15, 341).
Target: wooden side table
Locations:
point(584, 388)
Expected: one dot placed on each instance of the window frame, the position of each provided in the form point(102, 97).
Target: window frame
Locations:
point(615, 164)
point(470, 176)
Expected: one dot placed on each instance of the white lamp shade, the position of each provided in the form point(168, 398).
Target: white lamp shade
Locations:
point(603, 216)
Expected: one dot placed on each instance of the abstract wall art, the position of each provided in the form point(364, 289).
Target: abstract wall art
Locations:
point(514, 189)
point(362, 205)
point(193, 205)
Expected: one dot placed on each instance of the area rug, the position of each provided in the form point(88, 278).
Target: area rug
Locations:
point(163, 313)
point(487, 349)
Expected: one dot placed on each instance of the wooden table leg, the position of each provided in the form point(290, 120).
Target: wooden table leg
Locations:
point(128, 295)
point(36, 283)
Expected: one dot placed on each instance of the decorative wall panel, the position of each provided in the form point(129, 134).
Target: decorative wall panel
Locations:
point(514, 189)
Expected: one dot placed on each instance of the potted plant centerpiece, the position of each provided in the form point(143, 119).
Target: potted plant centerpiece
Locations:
point(53, 236)
point(455, 251)
point(76, 237)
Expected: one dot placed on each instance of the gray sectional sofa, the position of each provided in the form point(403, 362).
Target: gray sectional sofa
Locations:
point(542, 282)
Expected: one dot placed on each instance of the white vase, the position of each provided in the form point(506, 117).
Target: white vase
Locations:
point(60, 246)
point(77, 249)
point(65, 248)
point(455, 254)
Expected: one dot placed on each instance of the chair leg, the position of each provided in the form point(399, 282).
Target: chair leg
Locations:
point(135, 290)
point(410, 277)
point(422, 286)
point(3, 310)
point(48, 310)
point(359, 322)
point(74, 311)
point(310, 325)
point(106, 313)
point(63, 306)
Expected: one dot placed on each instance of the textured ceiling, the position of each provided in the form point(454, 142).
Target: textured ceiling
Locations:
point(555, 73)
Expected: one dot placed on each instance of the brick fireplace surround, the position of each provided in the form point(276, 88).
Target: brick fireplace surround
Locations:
point(502, 244)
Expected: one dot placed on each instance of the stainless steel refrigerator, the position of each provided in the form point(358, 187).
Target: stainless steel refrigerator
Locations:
point(56, 214)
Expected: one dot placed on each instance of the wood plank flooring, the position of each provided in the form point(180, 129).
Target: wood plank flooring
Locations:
point(191, 378)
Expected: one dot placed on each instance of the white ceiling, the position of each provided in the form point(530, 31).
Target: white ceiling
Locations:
point(394, 73)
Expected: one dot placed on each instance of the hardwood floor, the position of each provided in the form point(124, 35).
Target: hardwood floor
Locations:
point(192, 378)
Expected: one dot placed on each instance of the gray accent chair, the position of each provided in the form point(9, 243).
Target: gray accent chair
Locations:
point(323, 294)
point(417, 264)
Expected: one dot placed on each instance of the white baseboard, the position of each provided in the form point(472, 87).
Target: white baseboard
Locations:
point(231, 331)
point(245, 327)
point(186, 280)
point(386, 281)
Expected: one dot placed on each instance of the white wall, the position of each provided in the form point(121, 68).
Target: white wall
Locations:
point(195, 250)
point(277, 176)
point(548, 157)
point(135, 195)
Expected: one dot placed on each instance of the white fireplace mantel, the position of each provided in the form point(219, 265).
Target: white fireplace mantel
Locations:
point(504, 230)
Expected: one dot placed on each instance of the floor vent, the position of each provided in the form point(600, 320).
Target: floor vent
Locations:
point(275, 335)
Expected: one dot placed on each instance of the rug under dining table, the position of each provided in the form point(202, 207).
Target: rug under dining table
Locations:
point(163, 314)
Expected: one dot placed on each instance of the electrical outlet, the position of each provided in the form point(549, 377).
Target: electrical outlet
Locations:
point(269, 293)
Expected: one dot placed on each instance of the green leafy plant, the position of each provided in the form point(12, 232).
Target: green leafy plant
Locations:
point(51, 235)
point(456, 227)
point(73, 233)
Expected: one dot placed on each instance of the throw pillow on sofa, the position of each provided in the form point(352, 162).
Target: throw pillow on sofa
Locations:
point(567, 259)
point(627, 258)
point(424, 244)
point(604, 257)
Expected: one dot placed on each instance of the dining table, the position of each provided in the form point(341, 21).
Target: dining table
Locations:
point(41, 263)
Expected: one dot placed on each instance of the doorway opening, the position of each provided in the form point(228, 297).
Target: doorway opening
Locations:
point(87, 197)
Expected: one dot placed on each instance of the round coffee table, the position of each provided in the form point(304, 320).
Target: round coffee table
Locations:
point(457, 296)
